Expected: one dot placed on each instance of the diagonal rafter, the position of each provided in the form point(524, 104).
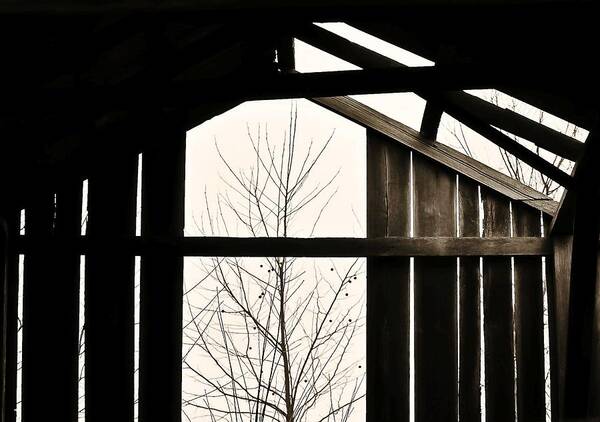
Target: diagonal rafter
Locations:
point(505, 119)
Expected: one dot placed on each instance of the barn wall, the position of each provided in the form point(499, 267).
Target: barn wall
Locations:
point(448, 309)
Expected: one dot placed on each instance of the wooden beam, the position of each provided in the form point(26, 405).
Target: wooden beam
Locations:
point(431, 120)
point(580, 389)
point(510, 145)
point(586, 171)
point(211, 10)
point(302, 247)
point(504, 119)
point(449, 157)
point(273, 85)
point(583, 115)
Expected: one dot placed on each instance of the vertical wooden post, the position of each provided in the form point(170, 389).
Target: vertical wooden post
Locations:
point(436, 372)
point(529, 321)
point(388, 286)
point(470, 315)
point(580, 393)
point(38, 311)
point(109, 290)
point(10, 320)
point(558, 273)
point(498, 315)
point(51, 311)
point(161, 289)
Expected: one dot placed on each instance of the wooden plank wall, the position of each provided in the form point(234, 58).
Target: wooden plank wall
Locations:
point(448, 308)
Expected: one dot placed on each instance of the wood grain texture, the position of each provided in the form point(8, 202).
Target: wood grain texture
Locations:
point(163, 190)
point(109, 301)
point(435, 293)
point(529, 321)
point(448, 157)
point(388, 295)
point(307, 247)
point(498, 315)
point(470, 313)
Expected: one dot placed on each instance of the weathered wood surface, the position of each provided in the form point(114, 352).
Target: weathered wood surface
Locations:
point(435, 296)
point(469, 375)
point(163, 189)
point(498, 315)
point(388, 287)
point(308, 247)
point(466, 166)
point(109, 290)
point(529, 321)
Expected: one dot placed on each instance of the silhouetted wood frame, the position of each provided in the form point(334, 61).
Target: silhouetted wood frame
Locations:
point(111, 239)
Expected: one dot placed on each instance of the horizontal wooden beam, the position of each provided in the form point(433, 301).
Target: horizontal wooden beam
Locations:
point(505, 119)
point(210, 9)
point(445, 155)
point(307, 247)
point(271, 85)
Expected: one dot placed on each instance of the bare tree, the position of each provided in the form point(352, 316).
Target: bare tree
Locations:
point(272, 338)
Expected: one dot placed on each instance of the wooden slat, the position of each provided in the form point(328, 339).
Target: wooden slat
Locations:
point(163, 187)
point(558, 275)
point(470, 315)
point(466, 166)
point(38, 329)
point(529, 321)
point(10, 320)
point(498, 315)
point(388, 295)
point(109, 287)
point(309, 247)
point(436, 374)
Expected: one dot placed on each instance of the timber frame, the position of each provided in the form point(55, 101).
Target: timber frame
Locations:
point(86, 86)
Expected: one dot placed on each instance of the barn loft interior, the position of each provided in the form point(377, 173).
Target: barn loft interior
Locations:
point(466, 290)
